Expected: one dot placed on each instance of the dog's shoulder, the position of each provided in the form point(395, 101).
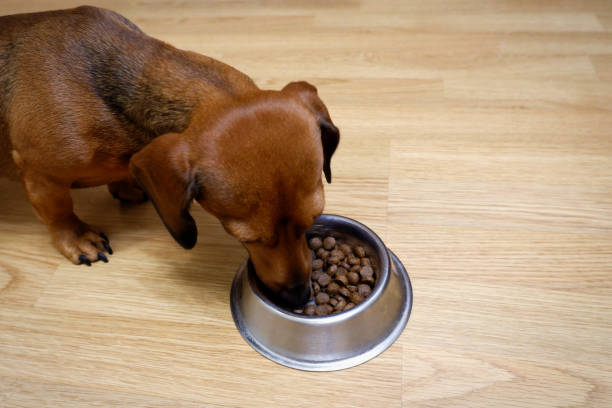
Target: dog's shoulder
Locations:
point(103, 17)
point(75, 18)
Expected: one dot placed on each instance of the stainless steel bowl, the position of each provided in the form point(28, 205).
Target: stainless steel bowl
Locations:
point(333, 342)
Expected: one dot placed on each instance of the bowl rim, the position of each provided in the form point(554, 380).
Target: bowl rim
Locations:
point(384, 269)
point(321, 365)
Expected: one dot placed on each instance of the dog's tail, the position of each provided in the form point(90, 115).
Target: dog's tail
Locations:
point(8, 169)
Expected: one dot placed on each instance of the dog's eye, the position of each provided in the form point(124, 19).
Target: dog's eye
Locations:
point(252, 241)
point(265, 241)
point(270, 242)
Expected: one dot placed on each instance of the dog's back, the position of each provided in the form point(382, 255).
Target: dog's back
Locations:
point(29, 35)
point(89, 75)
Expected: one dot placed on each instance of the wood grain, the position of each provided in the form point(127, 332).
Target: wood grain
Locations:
point(476, 140)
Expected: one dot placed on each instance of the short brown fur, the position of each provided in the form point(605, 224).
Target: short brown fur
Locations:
point(86, 98)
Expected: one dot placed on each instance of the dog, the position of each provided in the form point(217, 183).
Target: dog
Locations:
point(86, 99)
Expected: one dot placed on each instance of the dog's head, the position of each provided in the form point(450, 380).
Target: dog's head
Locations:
point(258, 168)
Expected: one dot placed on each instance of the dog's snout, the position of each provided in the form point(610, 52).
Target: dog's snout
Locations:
point(284, 270)
point(297, 295)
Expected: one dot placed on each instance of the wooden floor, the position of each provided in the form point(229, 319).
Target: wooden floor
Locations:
point(476, 140)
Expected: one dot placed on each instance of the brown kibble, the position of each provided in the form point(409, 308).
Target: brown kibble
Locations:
point(364, 290)
point(333, 288)
point(369, 280)
point(355, 297)
point(353, 260)
point(333, 260)
point(329, 243)
point(342, 279)
point(337, 253)
point(342, 276)
point(353, 277)
point(367, 275)
point(346, 249)
point(323, 310)
point(315, 243)
point(366, 271)
point(309, 310)
point(317, 264)
point(324, 279)
point(348, 306)
point(322, 298)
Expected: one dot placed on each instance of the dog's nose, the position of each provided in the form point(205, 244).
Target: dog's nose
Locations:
point(297, 295)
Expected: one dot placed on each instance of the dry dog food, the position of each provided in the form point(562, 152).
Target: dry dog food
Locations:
point(342, 276)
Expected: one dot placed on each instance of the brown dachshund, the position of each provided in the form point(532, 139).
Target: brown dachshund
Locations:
point(86, 99)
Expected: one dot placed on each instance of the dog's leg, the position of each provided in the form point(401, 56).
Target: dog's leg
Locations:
point(127, 191)
point(79, 242)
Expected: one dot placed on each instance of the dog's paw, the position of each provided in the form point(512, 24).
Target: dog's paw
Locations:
point(127, 192)
point(82, 246)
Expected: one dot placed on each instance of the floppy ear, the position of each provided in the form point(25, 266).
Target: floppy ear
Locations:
point(163, 171)
point(330, 135)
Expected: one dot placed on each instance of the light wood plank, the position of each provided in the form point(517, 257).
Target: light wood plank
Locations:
point(475, 142)
point(183, 361)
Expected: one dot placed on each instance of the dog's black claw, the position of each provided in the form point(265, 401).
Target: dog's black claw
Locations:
point(104, 237)
point(102, 257)
point(108, 248)
point(83, 260)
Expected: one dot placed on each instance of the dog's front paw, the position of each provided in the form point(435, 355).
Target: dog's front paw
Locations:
point(82, 245)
